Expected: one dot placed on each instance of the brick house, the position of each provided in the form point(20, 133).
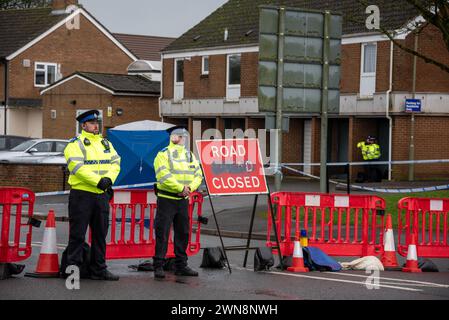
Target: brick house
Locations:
point(40, 46)
point(210, 73)
point(119, 98)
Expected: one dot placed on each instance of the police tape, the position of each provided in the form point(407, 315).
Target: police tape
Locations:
point(381, 190)
point(128, 186)
point(366, 163)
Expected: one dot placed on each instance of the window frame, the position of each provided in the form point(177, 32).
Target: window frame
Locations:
point(228, 70)
point(176, 71)
point(362, 64)
point(45, 70)
point(203, 71)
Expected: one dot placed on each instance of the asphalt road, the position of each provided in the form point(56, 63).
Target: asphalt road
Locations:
point(241, 284)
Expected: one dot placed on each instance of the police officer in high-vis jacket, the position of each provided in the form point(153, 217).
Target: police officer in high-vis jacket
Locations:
point(371, 152)
point(178, 174)
point(94, 165)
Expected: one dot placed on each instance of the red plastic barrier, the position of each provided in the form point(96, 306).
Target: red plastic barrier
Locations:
point(11, 248)
point(428, 219)
point(138, 240)
point(340, 225)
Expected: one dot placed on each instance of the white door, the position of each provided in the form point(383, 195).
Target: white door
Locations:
point(368, 70)
point(307, 145)
point(179, 80)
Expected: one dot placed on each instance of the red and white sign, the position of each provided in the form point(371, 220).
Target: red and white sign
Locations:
point(232, 166)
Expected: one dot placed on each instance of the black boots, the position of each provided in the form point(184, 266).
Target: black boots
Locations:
point(105, 275)
point(159, 273)
point(186, 271)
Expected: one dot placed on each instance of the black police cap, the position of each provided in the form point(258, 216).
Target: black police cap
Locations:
point(88, 116)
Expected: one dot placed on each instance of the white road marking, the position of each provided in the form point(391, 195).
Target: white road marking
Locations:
point(393, 279)
point(329, 279)
point(339, 280)
point(412, 284)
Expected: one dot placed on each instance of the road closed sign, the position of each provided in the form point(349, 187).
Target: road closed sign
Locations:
point(232, 166)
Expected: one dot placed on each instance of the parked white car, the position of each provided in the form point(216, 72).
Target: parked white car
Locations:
point(36, 151)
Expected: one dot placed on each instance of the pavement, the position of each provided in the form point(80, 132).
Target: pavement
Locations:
point(233, 216)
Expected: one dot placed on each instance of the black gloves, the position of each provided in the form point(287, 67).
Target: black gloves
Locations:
point(110, 193)
point(104, 184)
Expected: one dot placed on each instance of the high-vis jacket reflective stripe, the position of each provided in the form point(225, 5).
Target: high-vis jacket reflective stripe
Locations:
point(87, 164)
point(369, 151)
point(175, 167)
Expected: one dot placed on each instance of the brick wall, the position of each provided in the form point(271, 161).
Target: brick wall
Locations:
point(2, 82)
point(213, 85)
point(249, 74)
point(292, 142)
point(86, 49)
point(430, 77)
point(402, 68)
point(88, 96)
point(350, 68)
point(383, 66)
point(431, 139)
point(38, 178)
point(167, 78)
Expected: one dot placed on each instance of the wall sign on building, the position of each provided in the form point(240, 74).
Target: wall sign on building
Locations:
point(413, 105)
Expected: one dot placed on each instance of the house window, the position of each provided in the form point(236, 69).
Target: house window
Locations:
point(205, 66)
point(234, 69)
point(45, 74)
point(368, 70)
point(179, 80)
point(369, 59)
point(180, 71)
point(233, 77)
point(100, 121)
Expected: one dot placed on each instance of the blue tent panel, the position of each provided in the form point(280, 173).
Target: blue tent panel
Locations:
point(137, 150)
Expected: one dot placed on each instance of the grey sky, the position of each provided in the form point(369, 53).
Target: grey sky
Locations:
point(169, 18)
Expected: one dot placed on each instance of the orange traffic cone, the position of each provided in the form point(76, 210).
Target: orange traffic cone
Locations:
point(412, 257)
point(48, 263)
point(298, 259)
point(389, 255)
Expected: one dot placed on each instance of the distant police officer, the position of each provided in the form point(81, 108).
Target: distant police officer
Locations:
point(371, 152)
point(178, 174)
point(94, 165)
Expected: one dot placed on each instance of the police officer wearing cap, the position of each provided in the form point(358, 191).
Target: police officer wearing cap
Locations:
point(371, 152)
point(94, 165)
point(178, 174)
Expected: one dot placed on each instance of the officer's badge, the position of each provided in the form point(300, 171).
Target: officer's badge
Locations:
point(175, 154)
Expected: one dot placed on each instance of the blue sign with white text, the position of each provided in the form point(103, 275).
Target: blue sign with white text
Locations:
point(413, 105)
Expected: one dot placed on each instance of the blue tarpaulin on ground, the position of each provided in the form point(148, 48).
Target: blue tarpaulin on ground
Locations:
point(138, 143)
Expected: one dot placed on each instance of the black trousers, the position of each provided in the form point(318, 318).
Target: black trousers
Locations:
point(88, 209)
point(170, 211)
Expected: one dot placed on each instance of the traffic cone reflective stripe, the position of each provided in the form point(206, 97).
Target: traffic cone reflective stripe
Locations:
point(298, 259)
point(412, 257)
point(389, 255)
point(48, 263)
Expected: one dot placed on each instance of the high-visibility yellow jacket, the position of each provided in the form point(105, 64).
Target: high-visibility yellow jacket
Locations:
point(89, 160)
point(175, 168)
point(369, 151)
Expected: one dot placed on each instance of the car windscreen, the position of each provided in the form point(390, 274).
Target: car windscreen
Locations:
point(24, 145)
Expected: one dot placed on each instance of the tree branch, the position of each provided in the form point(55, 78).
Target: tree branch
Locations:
point(432, 18)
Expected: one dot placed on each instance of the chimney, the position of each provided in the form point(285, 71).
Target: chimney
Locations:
point(59, 6)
